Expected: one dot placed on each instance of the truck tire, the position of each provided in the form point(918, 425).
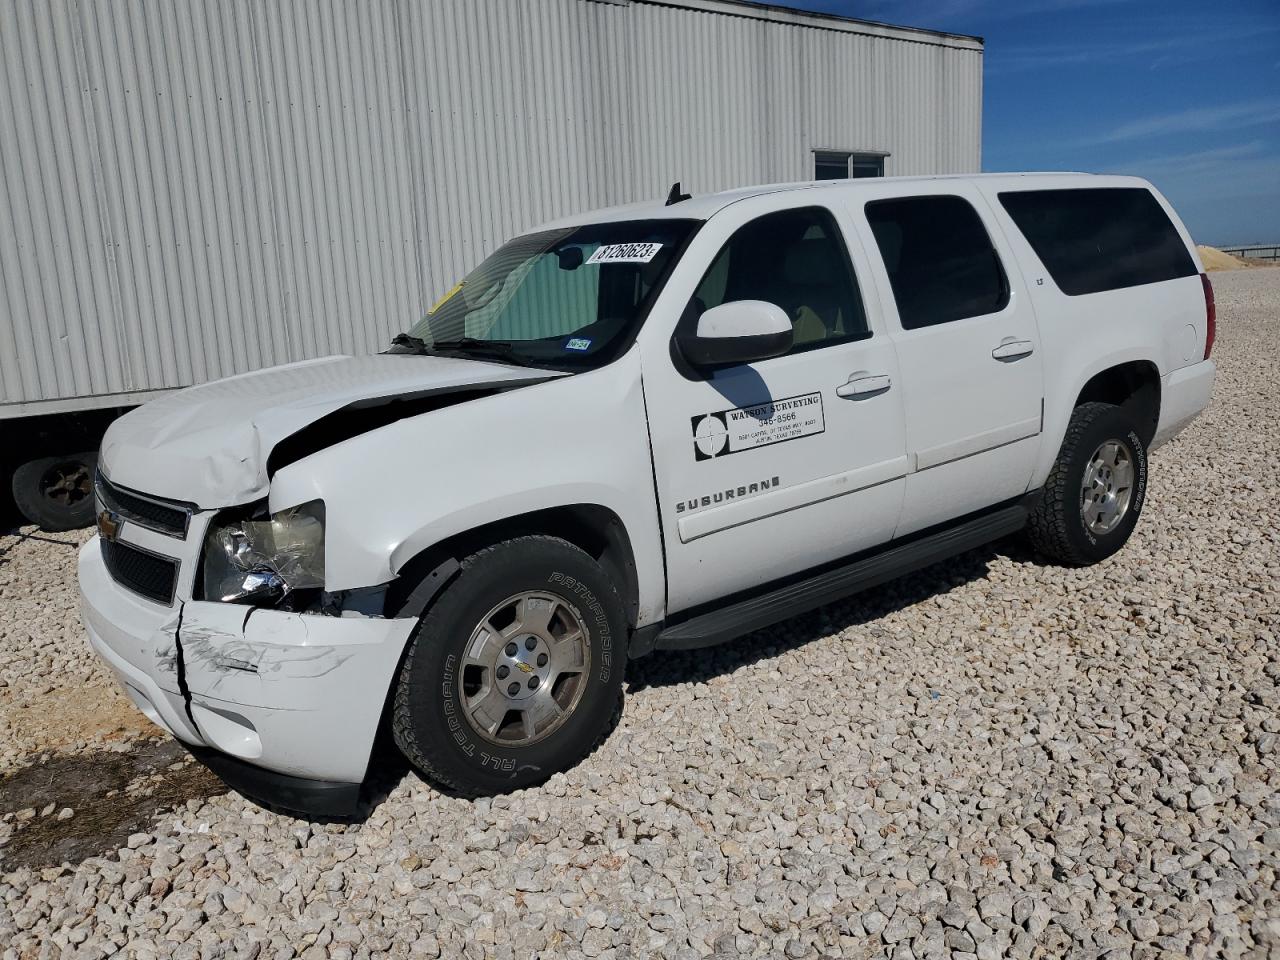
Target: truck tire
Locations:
point(515, 671)
point(56, 493)
point(1094, 494)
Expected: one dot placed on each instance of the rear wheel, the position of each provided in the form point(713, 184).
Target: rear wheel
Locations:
point(515, 671)
point(1094, 494)
point(56, 493)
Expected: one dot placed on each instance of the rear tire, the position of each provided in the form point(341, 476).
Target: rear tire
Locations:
point(1094, 494)
point(515, 672)
point(56, 493)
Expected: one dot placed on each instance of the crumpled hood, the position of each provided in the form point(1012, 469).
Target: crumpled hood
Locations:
point(209, 444)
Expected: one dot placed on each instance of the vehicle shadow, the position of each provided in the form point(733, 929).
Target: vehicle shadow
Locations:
point(388, 768)
point(19, 537)
point(666, 667)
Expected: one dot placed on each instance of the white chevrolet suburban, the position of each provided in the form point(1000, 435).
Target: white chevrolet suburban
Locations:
point(650, 427)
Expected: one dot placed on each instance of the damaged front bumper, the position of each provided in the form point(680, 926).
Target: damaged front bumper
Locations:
point(283, 706)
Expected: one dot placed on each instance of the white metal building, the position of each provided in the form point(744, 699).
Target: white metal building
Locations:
point(195, 189)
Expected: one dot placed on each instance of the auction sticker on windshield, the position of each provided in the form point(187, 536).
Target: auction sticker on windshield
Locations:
point(447, 297)
point(625, 253)
point(746, 428)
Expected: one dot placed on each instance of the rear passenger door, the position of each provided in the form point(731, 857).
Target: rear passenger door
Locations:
point(968, 350)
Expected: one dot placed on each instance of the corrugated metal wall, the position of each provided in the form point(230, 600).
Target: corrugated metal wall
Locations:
point(194, 189)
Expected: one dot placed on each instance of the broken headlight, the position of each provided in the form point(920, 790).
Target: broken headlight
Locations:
point(264, 560)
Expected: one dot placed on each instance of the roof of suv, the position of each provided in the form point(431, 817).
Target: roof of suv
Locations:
point(704, 206)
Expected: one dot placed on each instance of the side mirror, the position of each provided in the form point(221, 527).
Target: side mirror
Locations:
point(742, 331)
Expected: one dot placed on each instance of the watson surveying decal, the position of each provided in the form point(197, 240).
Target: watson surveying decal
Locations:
point(745, 428)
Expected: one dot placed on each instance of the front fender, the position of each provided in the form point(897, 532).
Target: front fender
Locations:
point(393, 492)
point(498, 509)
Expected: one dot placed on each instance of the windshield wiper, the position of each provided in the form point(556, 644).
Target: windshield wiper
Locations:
point(479, 346)
point(410, 343)
point(498, 349)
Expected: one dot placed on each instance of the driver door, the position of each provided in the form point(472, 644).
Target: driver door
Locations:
point(769, 468)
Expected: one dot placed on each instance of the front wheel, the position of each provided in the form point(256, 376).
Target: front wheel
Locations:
point(515, 671)
point(1094, 494)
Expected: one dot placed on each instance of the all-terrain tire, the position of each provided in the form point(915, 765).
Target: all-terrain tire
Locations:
point(1057, 525)
point(430, 721)
point(56, 493)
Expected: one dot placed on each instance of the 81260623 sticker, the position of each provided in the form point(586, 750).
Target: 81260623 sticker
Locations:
point(625, 253)
point(724, 432)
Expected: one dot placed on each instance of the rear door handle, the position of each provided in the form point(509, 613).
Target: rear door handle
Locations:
point(860, 387)
point(1010, 350)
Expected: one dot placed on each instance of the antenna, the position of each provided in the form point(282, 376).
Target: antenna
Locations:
point(675, 196)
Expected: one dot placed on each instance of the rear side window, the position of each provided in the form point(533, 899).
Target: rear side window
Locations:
point(1101, 239)
point(940, 261)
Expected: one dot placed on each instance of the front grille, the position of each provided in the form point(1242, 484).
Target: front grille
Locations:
point(145, 573)
point(169, 517)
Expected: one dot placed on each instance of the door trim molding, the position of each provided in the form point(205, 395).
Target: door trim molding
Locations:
point(976, 443)
point(785, 499)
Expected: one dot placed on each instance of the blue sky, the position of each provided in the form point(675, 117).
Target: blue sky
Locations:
point(1183, 92)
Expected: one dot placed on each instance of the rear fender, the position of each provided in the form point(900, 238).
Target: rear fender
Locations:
point(1058, 409)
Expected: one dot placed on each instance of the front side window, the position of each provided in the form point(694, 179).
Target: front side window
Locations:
point(1100, 239)
point(795, 259)
point(941, 264)
point(560, 298)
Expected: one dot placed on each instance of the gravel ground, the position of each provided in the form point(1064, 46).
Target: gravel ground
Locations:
point(990, 758)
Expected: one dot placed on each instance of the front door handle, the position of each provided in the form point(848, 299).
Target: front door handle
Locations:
point(1010, 350)
point(862, 386)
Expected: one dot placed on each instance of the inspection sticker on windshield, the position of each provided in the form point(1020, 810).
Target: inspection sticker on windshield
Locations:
point(745, 428)
point(578, 343)
point(447, 297)
point(625, 253)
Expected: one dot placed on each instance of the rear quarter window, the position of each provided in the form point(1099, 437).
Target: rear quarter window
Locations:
point(1100, 239)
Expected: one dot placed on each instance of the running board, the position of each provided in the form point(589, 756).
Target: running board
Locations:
point(762, 610)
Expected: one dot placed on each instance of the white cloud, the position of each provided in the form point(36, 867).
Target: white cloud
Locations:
point(1228, 116)
point(1189, 44)
point(1199, 159)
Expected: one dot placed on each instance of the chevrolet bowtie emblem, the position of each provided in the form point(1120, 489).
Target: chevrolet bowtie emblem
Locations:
point(109, 525)
point(523, 667)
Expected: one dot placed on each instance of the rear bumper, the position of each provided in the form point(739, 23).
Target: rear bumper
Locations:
point(297, 697)
point(1183, 396)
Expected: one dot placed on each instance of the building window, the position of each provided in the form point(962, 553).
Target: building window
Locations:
point(841, 165)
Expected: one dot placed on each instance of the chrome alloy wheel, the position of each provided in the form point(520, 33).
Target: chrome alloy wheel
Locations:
point(525, 668)
point(1107, 490)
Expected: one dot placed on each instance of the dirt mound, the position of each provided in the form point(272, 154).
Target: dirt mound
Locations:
point(1215, 259)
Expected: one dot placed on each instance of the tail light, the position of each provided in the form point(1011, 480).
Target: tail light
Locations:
point(1211, 314)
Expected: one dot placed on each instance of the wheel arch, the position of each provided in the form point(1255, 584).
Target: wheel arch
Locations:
point(597, 530)
point(1134, 384)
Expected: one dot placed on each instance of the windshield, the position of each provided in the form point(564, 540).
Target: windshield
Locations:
point(564, 298)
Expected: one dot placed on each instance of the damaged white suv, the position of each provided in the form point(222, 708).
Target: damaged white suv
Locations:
point(659, 426)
